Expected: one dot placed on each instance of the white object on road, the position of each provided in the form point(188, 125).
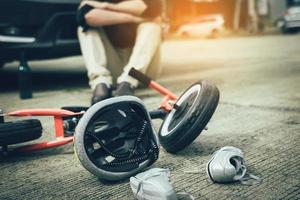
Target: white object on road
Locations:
point(153, 184)
point(228, 165)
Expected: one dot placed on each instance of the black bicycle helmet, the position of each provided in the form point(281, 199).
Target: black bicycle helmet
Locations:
point(115, 138)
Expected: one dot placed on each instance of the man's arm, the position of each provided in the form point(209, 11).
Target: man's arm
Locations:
point(133, 7)
point(101, 17)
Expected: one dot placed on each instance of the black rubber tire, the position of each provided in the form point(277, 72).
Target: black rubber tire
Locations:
point(185, 35)
point(192, 120)
point(20, 131)
point(214, 34)
point(2, 63)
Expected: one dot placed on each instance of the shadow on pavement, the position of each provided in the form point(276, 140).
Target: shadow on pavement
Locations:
point(12, 156)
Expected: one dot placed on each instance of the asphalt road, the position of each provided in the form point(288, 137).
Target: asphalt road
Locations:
point(259, 112)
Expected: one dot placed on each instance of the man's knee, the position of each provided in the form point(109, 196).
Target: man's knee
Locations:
point(81, 13)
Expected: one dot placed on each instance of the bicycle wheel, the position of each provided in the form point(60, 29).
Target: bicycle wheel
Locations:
point(189, 117)
point(20, 131)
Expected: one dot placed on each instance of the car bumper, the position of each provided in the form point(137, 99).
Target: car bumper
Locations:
point(292, 24)
point(16, 39)
point(292, 21)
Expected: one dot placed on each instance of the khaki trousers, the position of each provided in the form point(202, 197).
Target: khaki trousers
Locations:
point(110, 65)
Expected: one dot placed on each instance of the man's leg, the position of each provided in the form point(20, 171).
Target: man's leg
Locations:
point(117, 58)
point(94, 55)
point(146, 47)
point(95, 47)
point(154, 69)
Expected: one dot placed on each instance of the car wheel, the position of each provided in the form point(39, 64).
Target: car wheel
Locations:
point(189, 117)
point(185, 34)
point(214, 34)
point(280, 24)
point(285, 30)
point(2, 63)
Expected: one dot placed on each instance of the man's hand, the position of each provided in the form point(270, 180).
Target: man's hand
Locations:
point(102, 17)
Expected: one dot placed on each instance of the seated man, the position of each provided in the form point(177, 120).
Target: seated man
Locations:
point(115, 36)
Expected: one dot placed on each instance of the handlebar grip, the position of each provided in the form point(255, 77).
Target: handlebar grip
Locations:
point(140, 76)
point(158, 114)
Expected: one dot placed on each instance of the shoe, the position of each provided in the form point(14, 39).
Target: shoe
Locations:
point(227, 165)
point(153, 184)
point(100, 93)
point(124, 88)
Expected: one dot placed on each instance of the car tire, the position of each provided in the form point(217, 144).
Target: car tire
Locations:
point(285, 30)
point(185, 34)
point(20, 131)
point(184, 124)
point(2, 63)
point(214, 34)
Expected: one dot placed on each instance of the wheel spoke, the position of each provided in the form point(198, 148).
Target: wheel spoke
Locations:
point(182, 110)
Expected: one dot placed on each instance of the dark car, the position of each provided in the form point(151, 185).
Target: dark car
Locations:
point(37, 29)
point(290, 21)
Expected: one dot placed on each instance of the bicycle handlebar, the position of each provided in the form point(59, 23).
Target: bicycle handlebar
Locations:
point(140, 76)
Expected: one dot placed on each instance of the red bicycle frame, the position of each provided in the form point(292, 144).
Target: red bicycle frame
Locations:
point(58, 115)
point(168, 95)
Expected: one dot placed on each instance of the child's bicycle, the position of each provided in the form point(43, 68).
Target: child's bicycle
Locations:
point(114, 138)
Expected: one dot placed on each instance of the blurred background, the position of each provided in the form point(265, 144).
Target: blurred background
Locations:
point(45, 29)
point(35, 26)
point(250, 15)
